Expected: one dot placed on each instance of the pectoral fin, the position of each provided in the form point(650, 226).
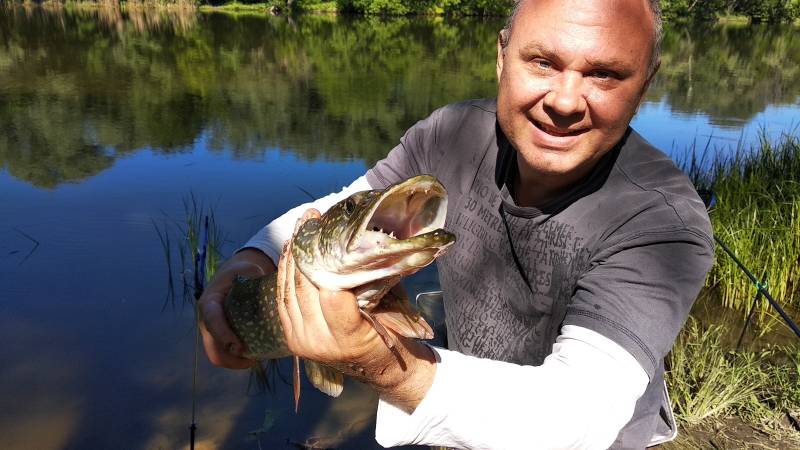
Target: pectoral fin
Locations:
point(296, 382)
point(396, 313)
point(324, 378)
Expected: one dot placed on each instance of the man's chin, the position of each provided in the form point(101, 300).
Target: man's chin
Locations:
point(548, 163)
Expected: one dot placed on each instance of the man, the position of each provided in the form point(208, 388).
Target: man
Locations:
point(580, 251)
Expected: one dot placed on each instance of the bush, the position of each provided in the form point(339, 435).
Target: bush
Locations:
point(691, 10)
point(770, 11)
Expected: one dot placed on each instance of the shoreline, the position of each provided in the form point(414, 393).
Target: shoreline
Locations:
point(277, 8)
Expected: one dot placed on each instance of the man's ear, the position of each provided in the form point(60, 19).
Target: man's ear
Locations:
point(502, 42)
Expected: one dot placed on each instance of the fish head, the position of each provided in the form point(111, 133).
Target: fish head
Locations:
point(373, 235)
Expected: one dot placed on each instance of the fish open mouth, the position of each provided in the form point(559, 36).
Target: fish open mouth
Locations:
point(408, 216)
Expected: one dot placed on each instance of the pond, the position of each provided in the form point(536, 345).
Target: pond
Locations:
point(110, 121)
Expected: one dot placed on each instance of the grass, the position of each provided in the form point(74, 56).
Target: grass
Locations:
point(757, 215)
point(199, 226)
point(704, 380)
point(236, 7)
point(709, 384)
point(718, 392)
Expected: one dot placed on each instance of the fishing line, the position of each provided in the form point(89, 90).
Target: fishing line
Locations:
point(199, 279)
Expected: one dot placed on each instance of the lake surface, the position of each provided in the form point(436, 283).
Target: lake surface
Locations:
point(109, 121)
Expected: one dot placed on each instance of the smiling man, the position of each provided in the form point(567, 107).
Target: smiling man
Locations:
point(580, 251)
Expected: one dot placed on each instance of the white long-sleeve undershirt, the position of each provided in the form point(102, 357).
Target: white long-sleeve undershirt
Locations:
point(579, 398)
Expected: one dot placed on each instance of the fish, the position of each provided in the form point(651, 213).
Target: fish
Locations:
point(365, 243)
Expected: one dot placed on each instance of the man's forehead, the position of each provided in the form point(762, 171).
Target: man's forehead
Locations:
point(589, 11)
point(587, 26)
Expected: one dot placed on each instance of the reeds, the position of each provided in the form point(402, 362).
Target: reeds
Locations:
point(197, 233)
point(757, 214)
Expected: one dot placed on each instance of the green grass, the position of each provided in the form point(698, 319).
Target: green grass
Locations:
point(236, 7)
point(709, 384)
point(757, 216)
point(704, 380)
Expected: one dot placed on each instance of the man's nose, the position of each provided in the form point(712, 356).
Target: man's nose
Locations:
point(566, 97)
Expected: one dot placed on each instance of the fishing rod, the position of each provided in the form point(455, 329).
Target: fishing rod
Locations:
point(199, 285)
point(709, 199)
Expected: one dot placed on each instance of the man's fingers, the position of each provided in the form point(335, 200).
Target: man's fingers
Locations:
point(213, 317)
point(340, 308)
point(219, 356)
point(310, 213)
point(286, 288)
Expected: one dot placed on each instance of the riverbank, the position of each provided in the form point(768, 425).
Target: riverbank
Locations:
point(673, 11)
point(734, 385)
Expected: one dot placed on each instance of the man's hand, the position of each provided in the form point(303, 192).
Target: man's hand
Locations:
point(327, 327)
point(221, 344)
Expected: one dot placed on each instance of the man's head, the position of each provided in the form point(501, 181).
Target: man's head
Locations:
point(571, 76)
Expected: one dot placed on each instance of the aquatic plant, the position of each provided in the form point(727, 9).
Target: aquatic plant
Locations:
point(757, 214)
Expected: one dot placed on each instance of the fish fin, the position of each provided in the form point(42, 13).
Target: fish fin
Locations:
point(262, 377)
point(409, 326)
point(324, 378)
point(296, 382)
point(397, 313)
point(387, 338)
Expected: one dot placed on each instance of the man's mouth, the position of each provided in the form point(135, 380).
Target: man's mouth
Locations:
point(557, 132)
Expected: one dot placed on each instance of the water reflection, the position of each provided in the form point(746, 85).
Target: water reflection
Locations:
point(46, 418)
point(80, 88)
point(729, 73)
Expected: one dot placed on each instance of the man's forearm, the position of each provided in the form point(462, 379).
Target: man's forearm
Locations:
point(579, 398)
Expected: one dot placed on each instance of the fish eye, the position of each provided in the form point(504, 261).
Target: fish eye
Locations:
point(349, 206)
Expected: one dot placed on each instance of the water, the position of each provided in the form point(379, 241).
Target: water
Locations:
point(109, 120)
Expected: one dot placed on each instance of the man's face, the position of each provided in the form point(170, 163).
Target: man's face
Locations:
point(570, 80)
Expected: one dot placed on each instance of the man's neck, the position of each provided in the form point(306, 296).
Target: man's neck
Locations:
point(537, 190)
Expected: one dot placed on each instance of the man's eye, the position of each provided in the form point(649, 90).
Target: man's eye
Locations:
point(603, 75)
point(542, 64)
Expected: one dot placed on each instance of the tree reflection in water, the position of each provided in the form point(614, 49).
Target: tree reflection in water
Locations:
point(81, 87)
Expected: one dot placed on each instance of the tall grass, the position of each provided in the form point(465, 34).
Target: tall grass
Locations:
point(704, 380)
point(709, 383)
point(196, 216)
point(757, 215)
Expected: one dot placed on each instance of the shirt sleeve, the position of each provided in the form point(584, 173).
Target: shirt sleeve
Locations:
point(579, 398)
point(270, 239)
point(639, 290)
point(416, 154)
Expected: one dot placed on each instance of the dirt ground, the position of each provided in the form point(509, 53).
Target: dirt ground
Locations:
point(733, 433)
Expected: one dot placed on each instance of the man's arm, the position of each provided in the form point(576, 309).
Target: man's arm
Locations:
point(579, 398)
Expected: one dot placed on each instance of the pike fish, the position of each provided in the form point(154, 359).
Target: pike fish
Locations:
point(364, 243)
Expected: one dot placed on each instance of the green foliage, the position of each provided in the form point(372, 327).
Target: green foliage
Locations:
point(708, 382)
point(82, 87)
point(692, 10)
point(758, 217)
point(771, 11)
point(704, 380)
point(728, 72)
point(78, 96)
point(499, 8)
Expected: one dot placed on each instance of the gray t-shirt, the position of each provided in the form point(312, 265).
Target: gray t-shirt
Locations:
point(623, 253)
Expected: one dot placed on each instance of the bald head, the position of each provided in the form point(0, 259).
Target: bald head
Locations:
point(648, 9)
